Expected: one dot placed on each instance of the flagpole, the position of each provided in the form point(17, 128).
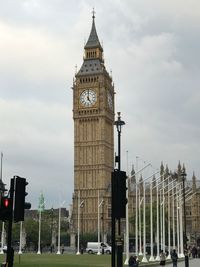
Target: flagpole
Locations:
point(1, 164)
point(163, 191)
point(168, 205)
point(2, 232)
point(157, 222)
point(2, 238)
point(39, 252)
point(144, 259)
point(20, 239)
point(177, 221)
point(59, 213)
point(127, 216)
point(151, 222)
point(40, 209)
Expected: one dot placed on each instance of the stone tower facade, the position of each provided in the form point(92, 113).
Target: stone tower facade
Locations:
point(93, 114)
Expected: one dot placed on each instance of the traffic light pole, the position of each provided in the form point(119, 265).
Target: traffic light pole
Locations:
point(10, 251)
point(13, 209)
point(113, 227)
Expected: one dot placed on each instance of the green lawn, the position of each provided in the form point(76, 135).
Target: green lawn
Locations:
point(65, 260)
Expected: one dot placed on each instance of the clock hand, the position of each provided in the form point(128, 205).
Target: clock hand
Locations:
point(88, 96)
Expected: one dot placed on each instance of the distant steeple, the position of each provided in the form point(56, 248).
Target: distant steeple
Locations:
point(133, 179)
point(132, 171)
point(161, 170)
point(166, 171)
point(93, 40)
point(183, 167)
point(194, 185)
point(179, 168)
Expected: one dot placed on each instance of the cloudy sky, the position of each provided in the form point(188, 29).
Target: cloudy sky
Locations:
point(152, 49)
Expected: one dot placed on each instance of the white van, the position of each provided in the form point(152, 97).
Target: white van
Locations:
point(92, 247)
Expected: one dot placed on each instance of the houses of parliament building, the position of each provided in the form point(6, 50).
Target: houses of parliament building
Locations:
point(93, 115)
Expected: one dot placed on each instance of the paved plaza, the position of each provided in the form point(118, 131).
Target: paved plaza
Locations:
point(192, 263)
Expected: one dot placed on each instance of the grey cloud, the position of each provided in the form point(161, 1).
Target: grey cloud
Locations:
point(152, 49)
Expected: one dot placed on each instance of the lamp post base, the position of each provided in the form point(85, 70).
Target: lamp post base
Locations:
point(157, 258)
point(152, 258)
point(126, 262)
point(144, 259)
point(168, 257)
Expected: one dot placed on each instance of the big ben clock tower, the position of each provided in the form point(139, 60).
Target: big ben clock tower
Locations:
point(93, 114)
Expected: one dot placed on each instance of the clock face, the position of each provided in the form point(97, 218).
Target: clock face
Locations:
point(88, 98)
point(110, 102)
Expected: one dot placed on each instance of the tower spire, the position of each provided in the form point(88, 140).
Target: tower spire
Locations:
point(93, 40)
point(93, 13)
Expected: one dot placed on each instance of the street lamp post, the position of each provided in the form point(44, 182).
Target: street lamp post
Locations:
point(2, 237)
point(39, 232)
point(157, 223)
point(80, 205)
point(40, 210)
point(151, 222)
point(59, 222)
point(144, 259)
point(119, 123)
point(183, 175)
point(2, 188)
point(100, 203)
point(20, 239)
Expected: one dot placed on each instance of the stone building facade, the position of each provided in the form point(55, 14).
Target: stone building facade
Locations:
point(192, 203)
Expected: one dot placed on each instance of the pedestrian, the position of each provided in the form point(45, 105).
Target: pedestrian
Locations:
point(62, 249)
point(198, 252)
point(194, 252)
point(174, 258)
point(132, 262)
point(136, 261)
point(162, 258)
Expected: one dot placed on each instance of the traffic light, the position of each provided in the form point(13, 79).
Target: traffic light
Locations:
point(5, 208)
point(19, 199)
point(119, 199)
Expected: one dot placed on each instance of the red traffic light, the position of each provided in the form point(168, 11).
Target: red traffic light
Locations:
point(5, 208)
point(6, 202)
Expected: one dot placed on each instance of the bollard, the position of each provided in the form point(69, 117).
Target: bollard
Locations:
point(186, 261)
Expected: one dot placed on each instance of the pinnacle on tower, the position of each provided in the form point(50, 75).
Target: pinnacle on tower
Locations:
point(166, 171)
point(93, 40)
point(194, 186)
point(161, 170)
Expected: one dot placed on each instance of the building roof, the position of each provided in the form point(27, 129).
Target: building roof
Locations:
point(91, 66)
